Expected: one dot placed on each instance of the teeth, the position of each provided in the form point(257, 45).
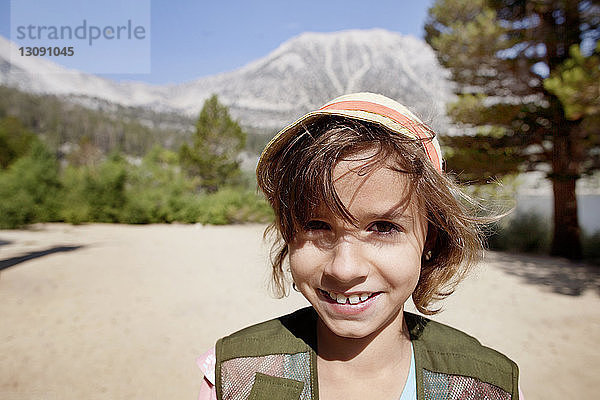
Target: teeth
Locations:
point(352, 299)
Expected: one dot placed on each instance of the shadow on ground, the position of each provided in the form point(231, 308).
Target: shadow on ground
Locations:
point(10, 262)
point(4, 242)
point(560, 275)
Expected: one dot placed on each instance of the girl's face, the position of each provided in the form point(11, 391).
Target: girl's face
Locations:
point(358, 277)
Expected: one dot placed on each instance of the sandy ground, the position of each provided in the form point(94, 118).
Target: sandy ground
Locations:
point(121, 312)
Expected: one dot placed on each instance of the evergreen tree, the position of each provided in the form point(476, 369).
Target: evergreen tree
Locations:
point(577, 85)
point(217, 142)
point(499, 53)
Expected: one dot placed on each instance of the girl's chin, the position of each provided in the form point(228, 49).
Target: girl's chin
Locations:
point(357, 326)
point(350, 329)
point(344, 331)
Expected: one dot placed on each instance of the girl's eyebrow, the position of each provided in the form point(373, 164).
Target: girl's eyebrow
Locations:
point(398, 214)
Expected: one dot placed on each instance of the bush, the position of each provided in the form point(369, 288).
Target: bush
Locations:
point(157, 191)
point(75, 209)
point(231, 206)
point(591, 248)
point(95, 193)
point(30, 189)
point(154, 190)
point(523, 232)
point(15, 140)
point(531, 233)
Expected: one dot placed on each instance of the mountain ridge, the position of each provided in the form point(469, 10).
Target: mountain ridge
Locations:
point(299, 75)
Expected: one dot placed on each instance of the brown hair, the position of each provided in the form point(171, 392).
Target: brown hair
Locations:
point(297, 179)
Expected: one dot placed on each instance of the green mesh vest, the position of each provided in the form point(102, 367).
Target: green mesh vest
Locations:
point(276, 360)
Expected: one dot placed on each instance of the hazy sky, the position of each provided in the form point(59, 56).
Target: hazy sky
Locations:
point(190, 39)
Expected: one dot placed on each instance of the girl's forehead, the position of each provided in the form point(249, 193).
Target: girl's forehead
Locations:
point(369, 158)
point(369, 190)
point(373, 176)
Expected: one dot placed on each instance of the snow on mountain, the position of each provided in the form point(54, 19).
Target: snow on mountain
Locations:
point(40, 75)
point(303, 73)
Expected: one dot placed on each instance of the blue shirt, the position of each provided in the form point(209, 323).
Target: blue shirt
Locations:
point(410, 387)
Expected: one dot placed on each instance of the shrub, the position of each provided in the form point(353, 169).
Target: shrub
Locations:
point(230, 206)
point(30, 189)
point(15, 140)
point(104, 190)
point(591, 247)
point(154, 190)
point(75, 209)
point(95, 193)
point(523, 232)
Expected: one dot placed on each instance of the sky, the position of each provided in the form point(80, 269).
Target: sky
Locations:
point(186, 39)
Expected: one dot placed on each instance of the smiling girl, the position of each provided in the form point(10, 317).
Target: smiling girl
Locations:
point(366, 218)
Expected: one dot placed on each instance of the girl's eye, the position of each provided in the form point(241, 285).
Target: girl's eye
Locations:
point(316, 225)
point(384, 227)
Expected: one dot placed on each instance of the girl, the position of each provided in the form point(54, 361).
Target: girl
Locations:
point(365, 218)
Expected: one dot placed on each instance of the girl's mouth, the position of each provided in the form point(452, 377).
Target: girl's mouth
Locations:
point(354, 298)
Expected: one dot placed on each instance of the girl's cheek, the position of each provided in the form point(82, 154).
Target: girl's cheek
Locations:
point(300, 267)
point(299, 261)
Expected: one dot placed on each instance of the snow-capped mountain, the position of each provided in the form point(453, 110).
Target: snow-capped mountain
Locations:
point(301, 74)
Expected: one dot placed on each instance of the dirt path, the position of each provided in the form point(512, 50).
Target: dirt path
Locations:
point(121, 312)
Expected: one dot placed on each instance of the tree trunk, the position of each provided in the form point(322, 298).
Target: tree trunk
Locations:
point(566, 241)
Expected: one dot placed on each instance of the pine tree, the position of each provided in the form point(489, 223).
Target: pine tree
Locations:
point(500, 52)
point(217, 142)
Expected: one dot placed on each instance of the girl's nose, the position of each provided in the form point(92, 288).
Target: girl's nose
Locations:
point(346, 264)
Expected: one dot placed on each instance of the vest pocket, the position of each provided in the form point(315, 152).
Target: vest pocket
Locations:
point(267, 387)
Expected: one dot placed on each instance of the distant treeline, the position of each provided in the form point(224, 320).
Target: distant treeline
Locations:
point(66, 125)
point(60, 161)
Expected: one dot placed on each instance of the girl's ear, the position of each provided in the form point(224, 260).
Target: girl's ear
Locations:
point(430, 241)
